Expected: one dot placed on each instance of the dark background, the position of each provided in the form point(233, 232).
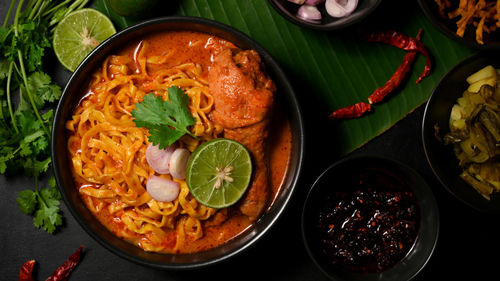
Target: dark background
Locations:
point(467, 247)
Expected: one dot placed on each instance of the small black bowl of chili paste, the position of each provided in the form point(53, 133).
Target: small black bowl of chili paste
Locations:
point(370, 218)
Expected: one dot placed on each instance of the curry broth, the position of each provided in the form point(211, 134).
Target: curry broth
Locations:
point(183, 47)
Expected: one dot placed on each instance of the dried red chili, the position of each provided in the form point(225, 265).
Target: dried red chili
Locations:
point(26, 272)
point(402, 41)
point(62, 273)
point(351, 111)
point(399, 75)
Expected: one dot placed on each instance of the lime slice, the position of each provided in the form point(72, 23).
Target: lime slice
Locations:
point(219, 172)
point(78, 34)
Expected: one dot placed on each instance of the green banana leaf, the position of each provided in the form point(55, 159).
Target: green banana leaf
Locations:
point(333, 69)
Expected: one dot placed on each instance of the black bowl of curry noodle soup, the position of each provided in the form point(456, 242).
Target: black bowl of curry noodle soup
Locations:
point(299, 12)
point(437, 129)
point(369, 217)
point(448, 20)
point(99, 154)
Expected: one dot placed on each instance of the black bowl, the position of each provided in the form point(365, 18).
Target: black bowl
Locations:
point(441, 158)
point(449, 28)
point(73, 93)
point(332, 179)
point(289, 10)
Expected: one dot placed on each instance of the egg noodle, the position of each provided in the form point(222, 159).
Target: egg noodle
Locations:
point(108, 152)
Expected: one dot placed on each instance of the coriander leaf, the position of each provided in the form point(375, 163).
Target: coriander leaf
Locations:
point(34, 140)
point(163, 135)
point(52, 182)
point(4, 68)
point(47, 216)
point(41, 84)
point(27, 120)
point(3, 164)
point(43, 90)
point(51, 196)
point(48, 115)
point(167, 121)
point(51, 93)
point(41, 167)
point(25, 149)
point(6, 155)
point(40, 145)
point(4, 32)
point(27, 201)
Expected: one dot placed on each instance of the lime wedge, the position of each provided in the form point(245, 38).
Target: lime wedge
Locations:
point(78, 34)
point(219, 172)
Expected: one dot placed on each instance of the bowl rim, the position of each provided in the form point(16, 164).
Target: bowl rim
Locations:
point(324, 27)
point(425, 127)
point(293, 107)
point(430, 200)
point(452, 35)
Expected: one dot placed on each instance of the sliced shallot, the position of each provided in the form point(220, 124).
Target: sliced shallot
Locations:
point(161, 189)
point(309, 13)
point(178, 162)
point(158, 158)
point(340, 8)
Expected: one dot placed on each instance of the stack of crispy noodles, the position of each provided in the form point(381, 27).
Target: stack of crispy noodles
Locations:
point(484, 15)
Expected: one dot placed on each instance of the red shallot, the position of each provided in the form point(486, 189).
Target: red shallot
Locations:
point(340, 8)
point(158, 158)
point(161, 189)
point(178, 162)
point(309, 13)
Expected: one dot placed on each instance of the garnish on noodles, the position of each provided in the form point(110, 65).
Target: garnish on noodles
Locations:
point(167, 121)
point(484, 15)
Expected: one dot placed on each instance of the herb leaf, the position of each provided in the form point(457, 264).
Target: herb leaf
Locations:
point(47, 215)
point(47, 218)
point(25, 119)
point(167, 121)
point(45, 204)
point(27, 201)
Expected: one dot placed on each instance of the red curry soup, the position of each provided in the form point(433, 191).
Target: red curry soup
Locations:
point(230, 96)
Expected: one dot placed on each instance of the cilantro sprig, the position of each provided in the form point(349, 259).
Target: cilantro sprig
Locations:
point(27, 95)
point(44, 204)
point(167, 121)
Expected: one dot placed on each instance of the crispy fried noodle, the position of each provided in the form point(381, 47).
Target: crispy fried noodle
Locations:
point(484, 15)
point(108, 151)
